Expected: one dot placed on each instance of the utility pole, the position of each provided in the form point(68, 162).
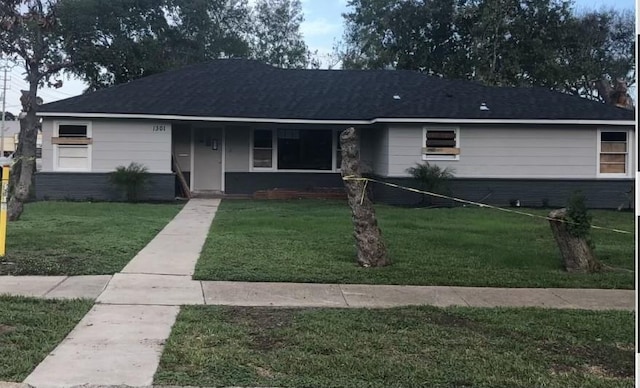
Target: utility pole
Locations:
point(4, 106)
point(5, 71)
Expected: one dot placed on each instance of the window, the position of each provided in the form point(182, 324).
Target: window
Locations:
point(613, 154)
point(305, 149)
point(441, 144)
point(72, 147)
point(72, 131)
point(296, 149)
point(262, 148)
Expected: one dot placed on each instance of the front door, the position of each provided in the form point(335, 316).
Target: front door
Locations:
point(207, 159)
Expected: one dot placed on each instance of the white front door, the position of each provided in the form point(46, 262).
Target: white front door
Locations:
point(207, 159)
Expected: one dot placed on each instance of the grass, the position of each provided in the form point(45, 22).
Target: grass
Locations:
point(402, 347)
point(311, 241)
point(81, 238)
point(30, 329)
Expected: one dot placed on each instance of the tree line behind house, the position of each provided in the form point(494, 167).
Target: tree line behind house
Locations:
point(547, 43)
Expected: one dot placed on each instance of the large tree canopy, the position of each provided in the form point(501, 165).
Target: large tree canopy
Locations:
point(497, 42)
point(601, 45)
point(277, 39)
point(120, 40)
point(114, 41)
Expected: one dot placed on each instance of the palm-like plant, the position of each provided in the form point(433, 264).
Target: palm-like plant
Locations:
point(131, 179)
point(431, 178)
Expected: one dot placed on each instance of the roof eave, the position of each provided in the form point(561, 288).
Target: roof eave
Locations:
point(337, 121)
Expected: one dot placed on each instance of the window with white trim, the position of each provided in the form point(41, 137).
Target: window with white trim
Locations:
point(295, 149)
point(72, 146)
point(262, 148)
point(72, 131)
point(613, 156)
point(440, 144)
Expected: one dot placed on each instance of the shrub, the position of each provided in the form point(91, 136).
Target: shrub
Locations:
point(432, 178)
point(579, 224)
point(131, 180)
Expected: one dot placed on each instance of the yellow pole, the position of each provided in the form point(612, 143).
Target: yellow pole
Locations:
point(3, 209)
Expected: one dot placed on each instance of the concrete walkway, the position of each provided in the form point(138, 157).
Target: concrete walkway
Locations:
point(383, 296)
point(120, 341)
point(50, 287)
point(121, 344)
point(177, 290)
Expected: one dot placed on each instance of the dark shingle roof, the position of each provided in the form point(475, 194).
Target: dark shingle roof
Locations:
point(244, 88)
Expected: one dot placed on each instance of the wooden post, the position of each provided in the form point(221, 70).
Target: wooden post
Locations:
point(577, 255)
point(183, 182)
point(4, 195)
point(371, 249)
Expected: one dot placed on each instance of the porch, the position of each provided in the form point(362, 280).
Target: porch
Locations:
point(239, 160)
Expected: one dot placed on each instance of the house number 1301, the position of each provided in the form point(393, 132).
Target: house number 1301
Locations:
point(159, 128)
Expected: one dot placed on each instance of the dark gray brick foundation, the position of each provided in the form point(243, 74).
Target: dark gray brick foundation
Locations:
point(600, 194)
point(250, 182)
point(96, 186)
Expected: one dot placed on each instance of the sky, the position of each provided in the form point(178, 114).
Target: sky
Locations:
point(322, 29)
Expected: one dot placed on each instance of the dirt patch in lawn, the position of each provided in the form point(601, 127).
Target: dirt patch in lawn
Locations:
point(262, 325)
point(263, 372)
point(4, 329)
point(562, 370)
point(599, 361)
point(451, 320)
point(611, 362)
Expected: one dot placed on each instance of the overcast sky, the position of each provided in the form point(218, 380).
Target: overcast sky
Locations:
point(322, 28)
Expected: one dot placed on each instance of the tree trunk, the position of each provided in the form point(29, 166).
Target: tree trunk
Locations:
point(25, 167)
point(604, 90)
point(371, 249)
point(577, 255)
point(17, 162)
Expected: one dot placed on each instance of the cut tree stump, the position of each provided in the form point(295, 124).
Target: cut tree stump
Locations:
point(577, 255)
point(371, 249)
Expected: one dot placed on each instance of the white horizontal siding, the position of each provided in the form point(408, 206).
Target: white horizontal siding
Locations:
point(118, 143)
point(504, 152)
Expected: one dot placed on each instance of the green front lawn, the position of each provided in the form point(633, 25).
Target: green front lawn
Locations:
point(403, 347)
point(30, 329)
point(81, 238)
point(311, 241)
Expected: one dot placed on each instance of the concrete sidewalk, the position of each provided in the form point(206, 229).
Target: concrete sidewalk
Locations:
point(177, 290)
point(54, 287)
point(385, 296)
